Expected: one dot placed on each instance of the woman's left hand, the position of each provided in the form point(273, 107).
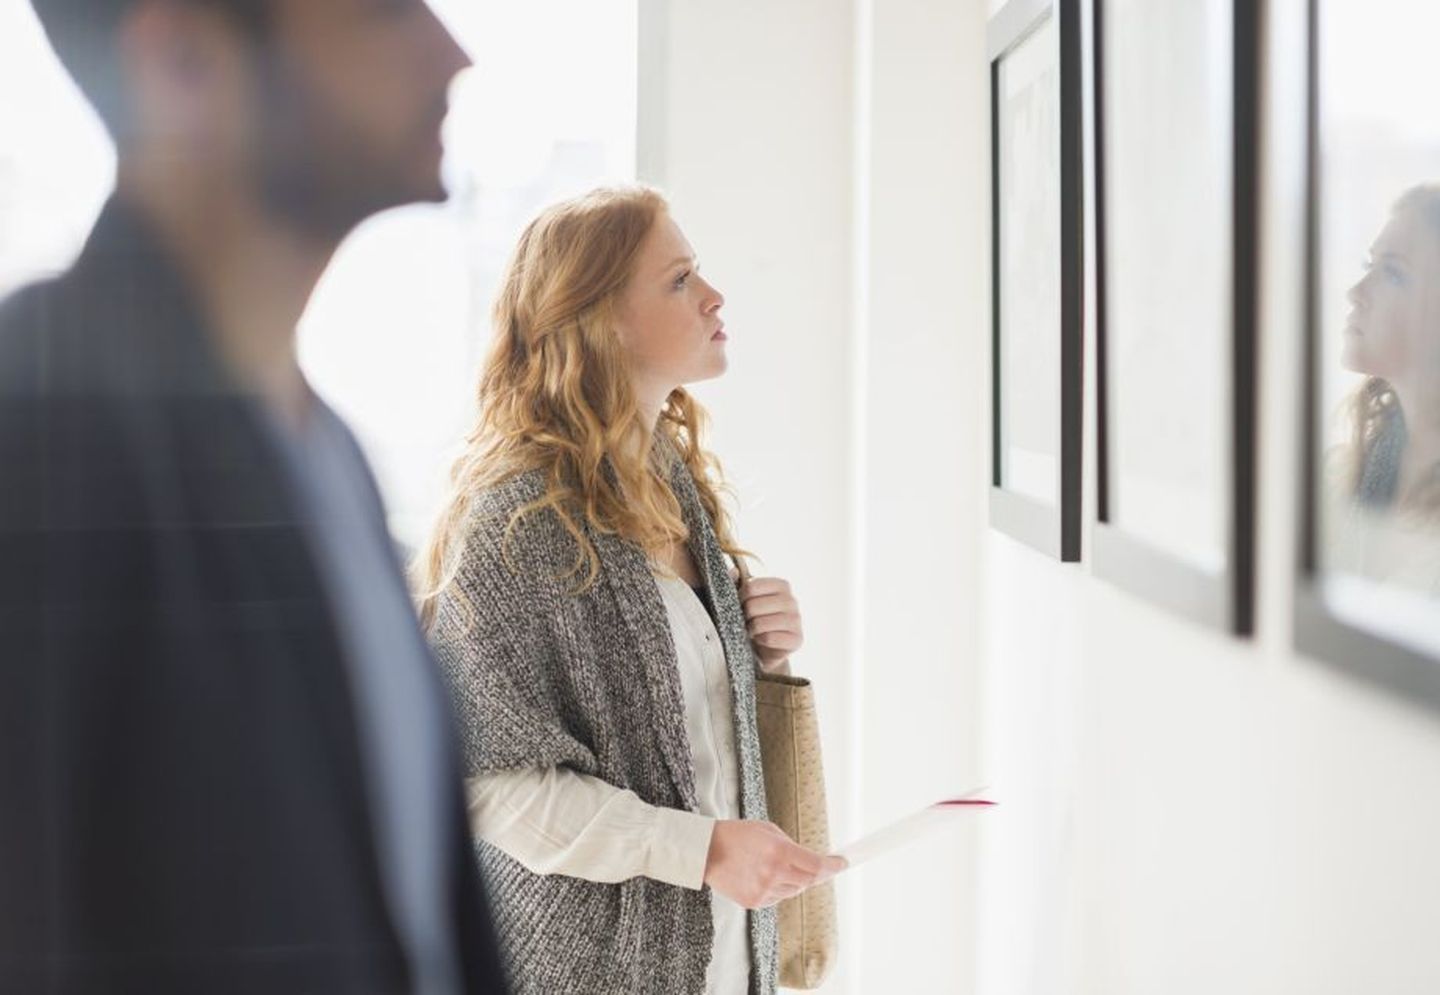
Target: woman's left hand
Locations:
point(772, 617)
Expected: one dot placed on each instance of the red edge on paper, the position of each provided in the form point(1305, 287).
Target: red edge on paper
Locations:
point(956, 802)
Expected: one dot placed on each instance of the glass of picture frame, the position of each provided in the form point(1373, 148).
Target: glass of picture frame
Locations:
point(1038, 267)
point(1368, 592)
point(1175, 135)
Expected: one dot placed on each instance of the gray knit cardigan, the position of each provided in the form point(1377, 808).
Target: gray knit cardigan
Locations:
point(544, 676)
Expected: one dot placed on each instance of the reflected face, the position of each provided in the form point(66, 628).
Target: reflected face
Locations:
point(354, 96)
point(1393, 328)
point(668, 317)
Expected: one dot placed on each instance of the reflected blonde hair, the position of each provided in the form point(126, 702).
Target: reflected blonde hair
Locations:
point(555, 394)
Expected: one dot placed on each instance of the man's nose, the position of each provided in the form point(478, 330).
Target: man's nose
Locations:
point(448, 57)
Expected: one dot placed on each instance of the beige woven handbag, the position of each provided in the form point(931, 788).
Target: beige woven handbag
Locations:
point(795, 796)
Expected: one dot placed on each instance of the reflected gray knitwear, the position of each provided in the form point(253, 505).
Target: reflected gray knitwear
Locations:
point(543, 676)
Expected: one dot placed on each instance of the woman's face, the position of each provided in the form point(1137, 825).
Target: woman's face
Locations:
point(1393, 330)
point(668, 318)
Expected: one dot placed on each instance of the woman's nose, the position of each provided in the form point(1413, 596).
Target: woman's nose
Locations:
point(715, 300)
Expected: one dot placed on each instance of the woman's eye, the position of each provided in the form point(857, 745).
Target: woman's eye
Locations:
point(1396, 276)
point(680, 280)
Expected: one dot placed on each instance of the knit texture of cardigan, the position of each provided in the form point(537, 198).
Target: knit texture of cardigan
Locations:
point(544, 676)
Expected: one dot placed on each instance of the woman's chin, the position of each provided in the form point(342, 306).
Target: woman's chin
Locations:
point(1352, 356)
point(715, 366)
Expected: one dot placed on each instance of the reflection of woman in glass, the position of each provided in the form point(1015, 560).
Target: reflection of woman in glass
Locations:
point(1391, 470)
point(1393, 337)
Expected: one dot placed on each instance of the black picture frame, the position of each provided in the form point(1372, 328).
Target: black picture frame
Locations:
point(1319, 632)
point(1051, 528)
point(1224, 598)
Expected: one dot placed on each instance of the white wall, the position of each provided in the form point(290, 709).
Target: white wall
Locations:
point(922, 209)
point(1189, 813)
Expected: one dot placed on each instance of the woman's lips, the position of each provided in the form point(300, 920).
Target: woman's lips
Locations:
point(719, 335)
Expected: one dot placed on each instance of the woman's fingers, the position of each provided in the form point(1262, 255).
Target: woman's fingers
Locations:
point(757, 865)
point(790, 887)
point(757, 587)
point(793, 869)
point(772, 618)
point(806, 862)
point(773, 623)
point(806, 871)
point(771, 604)
point(782, 641)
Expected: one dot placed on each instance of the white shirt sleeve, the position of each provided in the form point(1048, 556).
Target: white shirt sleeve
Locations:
point(555, 820)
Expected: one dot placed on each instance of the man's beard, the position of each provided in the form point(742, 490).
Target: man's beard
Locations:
point(313, 172)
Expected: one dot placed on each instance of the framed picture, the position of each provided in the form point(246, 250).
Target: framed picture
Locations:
point(1175, 164)
point(1368, 591)
point(1037, 272)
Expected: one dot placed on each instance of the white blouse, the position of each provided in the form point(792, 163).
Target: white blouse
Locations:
point(554, 820)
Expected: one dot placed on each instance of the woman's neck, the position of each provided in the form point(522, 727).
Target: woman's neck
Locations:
point(650, 399)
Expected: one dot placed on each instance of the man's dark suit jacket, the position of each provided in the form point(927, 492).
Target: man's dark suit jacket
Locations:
point(182, 806)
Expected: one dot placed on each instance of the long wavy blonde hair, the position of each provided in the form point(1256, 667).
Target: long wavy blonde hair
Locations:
point(555, 394)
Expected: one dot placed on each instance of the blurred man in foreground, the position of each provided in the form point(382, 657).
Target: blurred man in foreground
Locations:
point(226, 762)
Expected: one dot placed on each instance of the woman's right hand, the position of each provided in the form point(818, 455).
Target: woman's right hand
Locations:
point(755, 865)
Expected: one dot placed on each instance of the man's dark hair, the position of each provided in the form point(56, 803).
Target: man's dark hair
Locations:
point(84, 34)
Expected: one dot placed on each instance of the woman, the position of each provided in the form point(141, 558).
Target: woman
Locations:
point(1390, 474)
point(601, 657)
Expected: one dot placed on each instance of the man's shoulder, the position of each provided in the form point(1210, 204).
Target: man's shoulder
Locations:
point(63, 430)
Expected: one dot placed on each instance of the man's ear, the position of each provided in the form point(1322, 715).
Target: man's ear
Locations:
point(176, 60)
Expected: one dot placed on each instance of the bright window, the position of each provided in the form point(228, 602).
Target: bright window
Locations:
point(400, 322)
